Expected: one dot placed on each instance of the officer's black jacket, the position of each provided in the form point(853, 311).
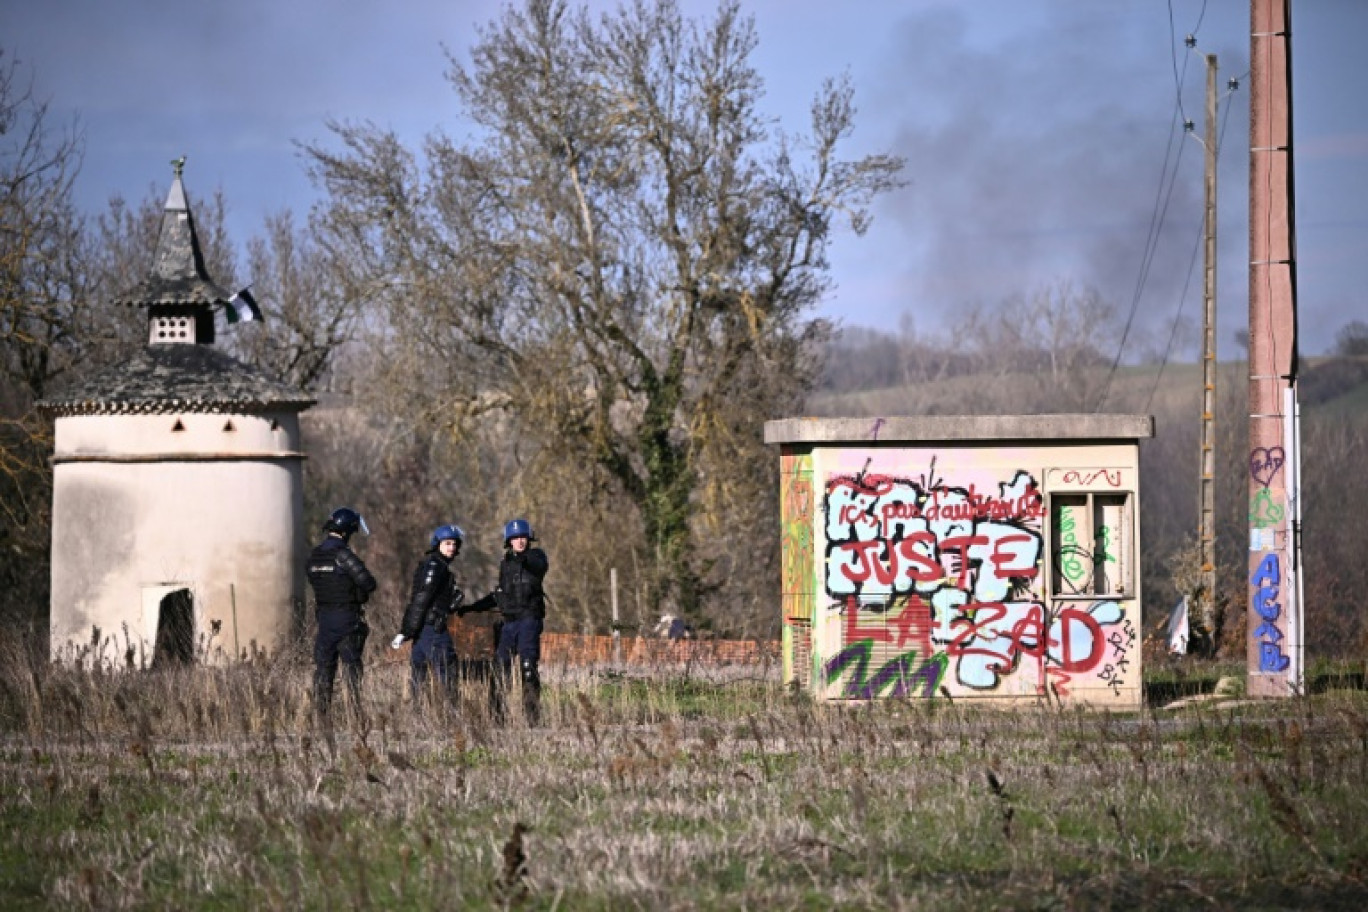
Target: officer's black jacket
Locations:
point(519, 593)
point(434, 597)
point(338, 577)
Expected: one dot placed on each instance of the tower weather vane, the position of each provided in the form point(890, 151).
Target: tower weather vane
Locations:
point(178, 164)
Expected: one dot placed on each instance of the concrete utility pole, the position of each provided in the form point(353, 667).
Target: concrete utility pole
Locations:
point(1275, 650)
point(1206, 508)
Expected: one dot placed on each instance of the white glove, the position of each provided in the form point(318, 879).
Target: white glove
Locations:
point(397, 642)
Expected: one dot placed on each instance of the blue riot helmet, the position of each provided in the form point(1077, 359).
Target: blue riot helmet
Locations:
point(345, 521)
point(446, 533)
point(518, 528)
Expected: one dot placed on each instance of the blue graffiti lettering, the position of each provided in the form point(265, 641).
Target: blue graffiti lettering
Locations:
point(1271, 658)
point(1267, 578)
point(1268, 573)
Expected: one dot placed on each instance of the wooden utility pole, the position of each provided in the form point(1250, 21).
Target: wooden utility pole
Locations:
point(1206, 508)
point(1275, 641)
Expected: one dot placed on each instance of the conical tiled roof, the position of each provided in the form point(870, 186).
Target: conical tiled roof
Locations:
point(178, 378)
point(178, 275)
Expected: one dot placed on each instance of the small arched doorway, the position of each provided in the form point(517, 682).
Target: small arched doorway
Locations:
point(175, 642)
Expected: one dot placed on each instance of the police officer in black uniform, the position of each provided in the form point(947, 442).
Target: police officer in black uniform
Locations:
point(522, 602)
point(434, 598)
point(341, 585)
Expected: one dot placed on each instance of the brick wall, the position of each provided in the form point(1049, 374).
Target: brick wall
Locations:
point(578, 649)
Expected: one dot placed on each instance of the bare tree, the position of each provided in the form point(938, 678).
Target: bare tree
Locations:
point(1352, 339)
point(42, 276)
point(620, 253)
point(308, 317)
point(1051, 340)
point(44, 308)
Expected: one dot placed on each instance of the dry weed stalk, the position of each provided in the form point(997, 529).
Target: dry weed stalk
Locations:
point(512, 879)
point(687, 817)
point(1286, 816)
point(1005, 807)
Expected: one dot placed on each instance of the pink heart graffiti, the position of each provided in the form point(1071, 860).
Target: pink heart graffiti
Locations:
point(1265, 463)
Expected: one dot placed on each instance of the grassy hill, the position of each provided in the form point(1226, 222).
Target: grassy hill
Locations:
point(1329, 386)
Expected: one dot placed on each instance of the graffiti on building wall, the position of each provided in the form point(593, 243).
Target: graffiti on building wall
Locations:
point(1059, 643)
point(1075, 561)
point(1265, 463)
point(1264, 511)
point(1082, 566)
point(1116, 667)
point(796, 537)
point(888, 537)
point(1266, 516)
point(893, 636)
point(1270, 633)
point(1089, 477)
point(945, 582)
point(900, 676)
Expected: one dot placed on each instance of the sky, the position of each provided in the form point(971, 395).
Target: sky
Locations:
point(1037, 133)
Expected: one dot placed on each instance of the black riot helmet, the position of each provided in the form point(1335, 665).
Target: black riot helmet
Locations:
point(345, 521)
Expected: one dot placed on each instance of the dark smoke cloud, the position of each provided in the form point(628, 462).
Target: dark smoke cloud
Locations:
point(1037, 157)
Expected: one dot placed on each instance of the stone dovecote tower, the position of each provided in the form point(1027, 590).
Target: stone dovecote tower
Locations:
point(177, 485)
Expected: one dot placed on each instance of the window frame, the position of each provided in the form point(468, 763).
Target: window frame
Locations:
point(1125, 586)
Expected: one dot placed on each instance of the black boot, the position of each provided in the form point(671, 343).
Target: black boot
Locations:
point(531, 695)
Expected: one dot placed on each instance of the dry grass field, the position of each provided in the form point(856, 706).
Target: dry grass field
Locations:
point(212, 789)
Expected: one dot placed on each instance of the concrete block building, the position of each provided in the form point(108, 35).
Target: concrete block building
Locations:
point(992, 557)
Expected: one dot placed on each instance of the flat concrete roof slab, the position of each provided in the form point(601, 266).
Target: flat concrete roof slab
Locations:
point(969, 428)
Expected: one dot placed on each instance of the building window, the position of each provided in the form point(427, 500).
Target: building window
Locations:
point(173, 329)
point(1091, 545)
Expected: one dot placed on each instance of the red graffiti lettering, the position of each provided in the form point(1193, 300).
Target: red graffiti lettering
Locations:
point(981, 632)
point(1110, 476)
point(1015, 562)
point(1067, 660)
point(977, 622)
point(854, 632)
point(1060, 679)
point(1076, 641)
point(853, 514)
point(862, 565)
point(877, 485)
point(921, 568)
point(1028, 634)
point(900, 509)
point(911, 624)
point(963, 543)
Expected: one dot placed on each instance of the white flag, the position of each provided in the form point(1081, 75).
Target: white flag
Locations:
point(1178, 628)
point(242, 307)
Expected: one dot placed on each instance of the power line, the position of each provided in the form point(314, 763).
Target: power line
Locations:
point(1173, 53)
point(1173, 330)
point(1147, 258)
point(1158, 214)
point(1187, 282)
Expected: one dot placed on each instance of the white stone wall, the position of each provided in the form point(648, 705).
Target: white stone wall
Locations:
point(140, 508)
point(154, 434)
